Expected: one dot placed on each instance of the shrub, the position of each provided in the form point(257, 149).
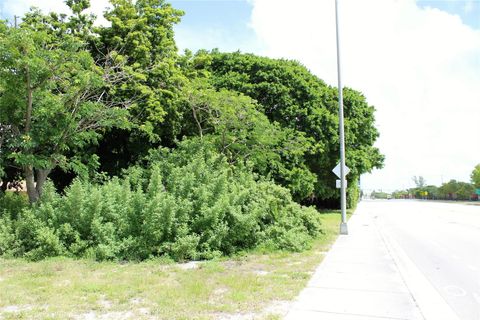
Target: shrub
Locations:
point(7, 237)
point(189, 203)
point(12, 203)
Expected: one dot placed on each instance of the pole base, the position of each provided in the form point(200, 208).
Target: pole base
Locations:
point(343, 228)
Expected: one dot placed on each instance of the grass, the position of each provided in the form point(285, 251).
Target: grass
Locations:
point(252, 285)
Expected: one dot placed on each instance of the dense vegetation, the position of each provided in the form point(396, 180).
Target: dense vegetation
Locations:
point(451, 190)
point(130, 150)
point(189, 203)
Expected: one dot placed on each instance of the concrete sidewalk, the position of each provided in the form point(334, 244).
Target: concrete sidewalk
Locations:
point(358, 280)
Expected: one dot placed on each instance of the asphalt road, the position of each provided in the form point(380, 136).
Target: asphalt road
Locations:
point(443, 241)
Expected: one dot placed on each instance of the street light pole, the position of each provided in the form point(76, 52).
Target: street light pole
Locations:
point(343, 182)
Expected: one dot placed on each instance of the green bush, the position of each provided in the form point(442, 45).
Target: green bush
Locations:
point(7, 237)
point(12, 203)
point(188, 204)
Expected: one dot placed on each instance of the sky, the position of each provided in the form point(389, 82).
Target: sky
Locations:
point(416, 61)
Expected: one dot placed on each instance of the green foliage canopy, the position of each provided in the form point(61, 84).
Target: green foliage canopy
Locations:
point(457, 190)
point(475, 176)
point(239, 130)
point(141, 36)
point(50, 102)
point(288, 94)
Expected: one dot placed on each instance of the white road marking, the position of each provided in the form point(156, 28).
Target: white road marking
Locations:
point(432, 305)
point(455, 291)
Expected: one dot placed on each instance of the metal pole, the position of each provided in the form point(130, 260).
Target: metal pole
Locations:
point(343, 192)
point(15, 19)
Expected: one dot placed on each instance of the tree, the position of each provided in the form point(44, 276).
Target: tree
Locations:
point(51, 99)
point(419, 181)
point(432, 192)
point(379, 195)
point(288, 94)
point(141, 35)
point(465, 190)
point(400, 194)
point(233, 123)
point(457, 190)
point(475, 176)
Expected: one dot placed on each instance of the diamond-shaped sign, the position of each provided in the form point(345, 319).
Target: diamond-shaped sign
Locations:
point(337, 172)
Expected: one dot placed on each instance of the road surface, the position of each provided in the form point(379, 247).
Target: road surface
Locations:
point(443, 241)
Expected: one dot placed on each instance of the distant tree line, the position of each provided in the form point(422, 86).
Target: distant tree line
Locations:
point(451, 190)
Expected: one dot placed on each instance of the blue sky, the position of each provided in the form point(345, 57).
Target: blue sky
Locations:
point(232, 14)
point(468, 11)
point(209, 24)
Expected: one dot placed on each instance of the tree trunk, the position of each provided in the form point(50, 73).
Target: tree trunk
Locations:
point(28, 169)
point(30, 182)
point(4, 186)
point(42, 175)
point(199, 125)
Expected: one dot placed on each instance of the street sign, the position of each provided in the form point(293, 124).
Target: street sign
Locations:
point(337, 172)
point(338, 183)
point(477, 191)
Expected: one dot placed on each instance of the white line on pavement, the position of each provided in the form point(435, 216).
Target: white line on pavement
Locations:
point(432, 305)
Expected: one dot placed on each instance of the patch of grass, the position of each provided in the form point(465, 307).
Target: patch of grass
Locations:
point(249, 283)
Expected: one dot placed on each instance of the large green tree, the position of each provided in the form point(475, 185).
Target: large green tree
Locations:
point(141, 36)
point(234, 123)
point(139, 51)
point(51, 102)
point(457, 190)
point(141, 33)
point(475, 176)
point(288, 94)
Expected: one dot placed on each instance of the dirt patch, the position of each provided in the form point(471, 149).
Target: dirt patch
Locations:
point(92, 315)
point(239, 316)
point(261, 272)
point(136, 301)
point(189, 265)
point(278, 307)
point(105, 303)
point(15, 309)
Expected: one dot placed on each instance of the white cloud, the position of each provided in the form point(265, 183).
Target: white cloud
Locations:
point(419, 67)
point(19, 7)
point(98, 7)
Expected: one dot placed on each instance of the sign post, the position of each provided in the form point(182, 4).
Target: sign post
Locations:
point(343, 192)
